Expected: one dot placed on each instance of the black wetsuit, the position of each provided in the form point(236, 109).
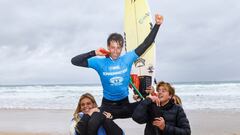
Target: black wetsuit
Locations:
point(89, 125)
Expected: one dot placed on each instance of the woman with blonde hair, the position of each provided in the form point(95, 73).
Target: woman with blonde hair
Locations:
point(88, 120)
point(177, 100)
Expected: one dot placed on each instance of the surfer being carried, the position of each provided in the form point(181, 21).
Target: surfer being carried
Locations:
point(114, 70)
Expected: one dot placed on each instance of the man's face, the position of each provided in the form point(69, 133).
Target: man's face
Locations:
point(115, 50)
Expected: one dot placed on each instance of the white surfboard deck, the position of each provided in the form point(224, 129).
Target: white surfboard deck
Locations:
point(137, 25)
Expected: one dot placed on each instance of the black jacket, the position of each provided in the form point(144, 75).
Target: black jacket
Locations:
point(176, 122)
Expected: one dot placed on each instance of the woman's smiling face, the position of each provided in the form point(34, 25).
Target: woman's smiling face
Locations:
point(86, 105)
point(163, 95)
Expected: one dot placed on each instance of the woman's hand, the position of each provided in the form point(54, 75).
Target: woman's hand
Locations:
point(91, 111)
point(108, 115)
point(154, 99)
point(136, 97)
point(159, 122)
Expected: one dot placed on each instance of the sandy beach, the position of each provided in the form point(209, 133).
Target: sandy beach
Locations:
point(56, 122)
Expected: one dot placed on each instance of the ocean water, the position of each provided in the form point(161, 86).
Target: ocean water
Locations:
point(224, 95)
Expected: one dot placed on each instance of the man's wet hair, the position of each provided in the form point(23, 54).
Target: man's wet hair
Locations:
point(116, 37)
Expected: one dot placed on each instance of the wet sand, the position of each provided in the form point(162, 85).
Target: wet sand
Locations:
point(56, 122)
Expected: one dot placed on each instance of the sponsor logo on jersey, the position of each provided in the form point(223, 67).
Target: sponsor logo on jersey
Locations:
point(116, 81)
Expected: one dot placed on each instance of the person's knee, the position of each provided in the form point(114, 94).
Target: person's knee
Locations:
point(95, 121)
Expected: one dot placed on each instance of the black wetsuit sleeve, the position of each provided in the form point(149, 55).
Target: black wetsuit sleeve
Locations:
point(81, 60)
point(140, 114)
point(148, 41)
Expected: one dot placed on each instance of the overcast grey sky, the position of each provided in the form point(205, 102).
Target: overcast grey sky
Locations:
point(199, 40)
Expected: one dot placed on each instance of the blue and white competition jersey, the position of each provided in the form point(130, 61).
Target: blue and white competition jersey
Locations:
point(114, 74)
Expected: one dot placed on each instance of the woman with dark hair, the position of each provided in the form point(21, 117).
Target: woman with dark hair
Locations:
point(162, 115)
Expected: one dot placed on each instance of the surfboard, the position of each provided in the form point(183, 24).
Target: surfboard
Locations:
point(137, 25)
